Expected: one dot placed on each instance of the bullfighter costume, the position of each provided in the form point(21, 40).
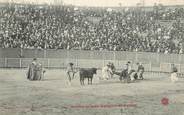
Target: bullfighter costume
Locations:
point(174, 71)
point(107, 72)
point(70, 72)
point(140, 71)
point(34, 71)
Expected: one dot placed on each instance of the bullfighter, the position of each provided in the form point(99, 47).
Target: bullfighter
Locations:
point(70, 72)
point(34, 70)
point(107, 72)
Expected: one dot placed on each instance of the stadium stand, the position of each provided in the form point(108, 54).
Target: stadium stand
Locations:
point(68, 27)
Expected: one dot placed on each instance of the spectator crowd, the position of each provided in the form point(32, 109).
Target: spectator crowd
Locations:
point(151, 29)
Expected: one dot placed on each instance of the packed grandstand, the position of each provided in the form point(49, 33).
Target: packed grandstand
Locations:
point(143, 29)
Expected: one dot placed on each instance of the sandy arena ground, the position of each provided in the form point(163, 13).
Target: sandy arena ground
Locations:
point(53, 96)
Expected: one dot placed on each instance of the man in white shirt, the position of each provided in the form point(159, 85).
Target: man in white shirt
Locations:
point(107, 72)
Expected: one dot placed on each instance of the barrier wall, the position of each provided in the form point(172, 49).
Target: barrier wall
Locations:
point(83, 63)
point(59, 58)
point(155, 58)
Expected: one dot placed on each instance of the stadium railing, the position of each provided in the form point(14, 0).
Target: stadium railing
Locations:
point(146, 57)
point(62, 63)
point(57, 63)
point(51, 58)
point(98, 63)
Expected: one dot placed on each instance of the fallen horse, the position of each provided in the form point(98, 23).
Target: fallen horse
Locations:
point(126, 77)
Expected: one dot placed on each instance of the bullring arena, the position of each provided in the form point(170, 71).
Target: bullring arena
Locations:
point(52, 95)
point(91, 37)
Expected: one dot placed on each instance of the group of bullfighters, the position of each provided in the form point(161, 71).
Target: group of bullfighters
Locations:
point(127, 73)
point(35, 71)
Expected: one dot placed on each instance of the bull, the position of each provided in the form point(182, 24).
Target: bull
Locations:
point(87, 73)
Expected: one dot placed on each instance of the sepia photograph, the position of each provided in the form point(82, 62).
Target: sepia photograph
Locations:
point(91, 57)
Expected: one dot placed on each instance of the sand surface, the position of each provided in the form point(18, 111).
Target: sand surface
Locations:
point(53, 96)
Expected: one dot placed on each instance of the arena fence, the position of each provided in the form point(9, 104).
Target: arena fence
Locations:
point(146, 57)
point(60, 63)
point(51, 58)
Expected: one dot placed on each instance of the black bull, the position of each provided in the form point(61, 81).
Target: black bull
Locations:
point(87, 73)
